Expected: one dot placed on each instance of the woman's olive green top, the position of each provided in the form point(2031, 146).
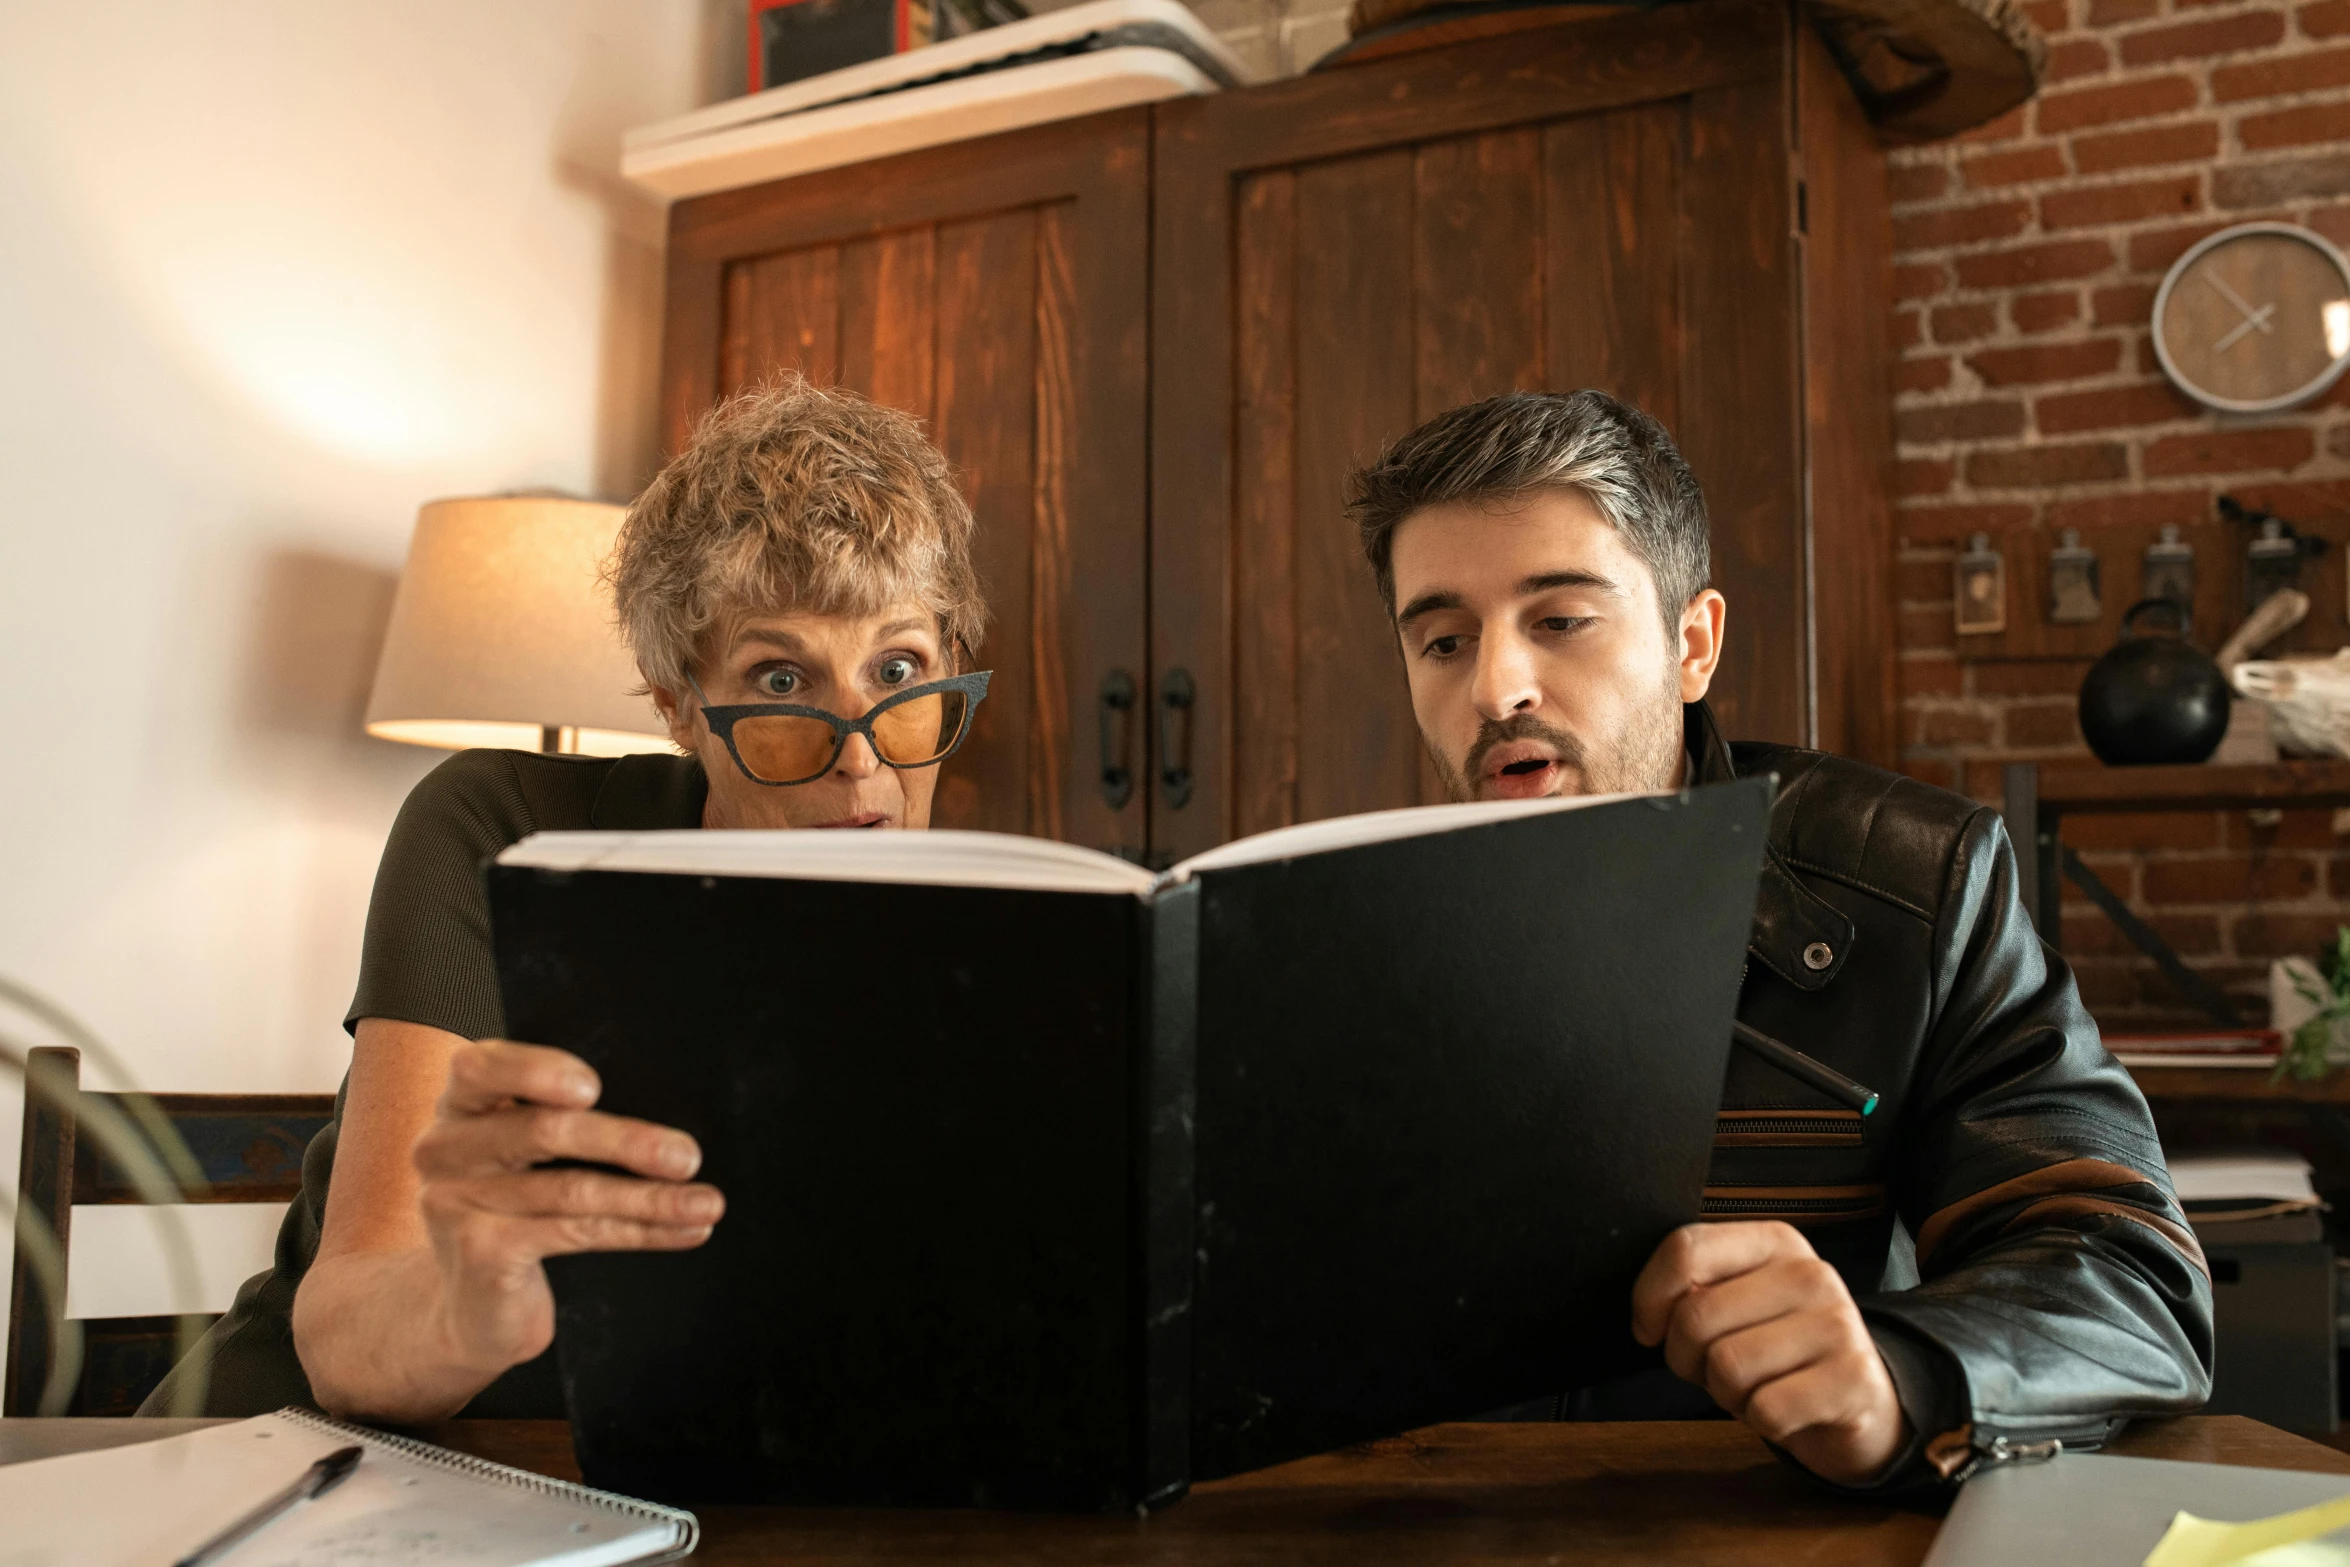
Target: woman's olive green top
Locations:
point(427, 959)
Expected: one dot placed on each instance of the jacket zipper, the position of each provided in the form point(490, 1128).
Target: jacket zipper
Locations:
point(1854, 1203)
point(1775, 1126)
point(1794, 1128)
point(1998, 1451)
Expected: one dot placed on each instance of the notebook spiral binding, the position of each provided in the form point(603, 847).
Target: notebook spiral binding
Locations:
point(505, 1474)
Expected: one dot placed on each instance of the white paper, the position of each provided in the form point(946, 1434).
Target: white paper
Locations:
point(153, 1502)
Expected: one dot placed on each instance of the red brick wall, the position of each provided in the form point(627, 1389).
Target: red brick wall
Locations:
point(2028, 399)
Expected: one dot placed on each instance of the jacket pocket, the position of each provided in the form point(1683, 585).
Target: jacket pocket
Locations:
point(1787, 1129)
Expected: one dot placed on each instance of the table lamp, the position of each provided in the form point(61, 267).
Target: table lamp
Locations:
point(502, 635)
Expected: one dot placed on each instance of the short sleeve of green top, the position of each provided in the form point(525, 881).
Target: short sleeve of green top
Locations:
point(427, 959)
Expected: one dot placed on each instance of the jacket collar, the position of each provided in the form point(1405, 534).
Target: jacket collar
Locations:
point(1702, 738)
point(1791, 922)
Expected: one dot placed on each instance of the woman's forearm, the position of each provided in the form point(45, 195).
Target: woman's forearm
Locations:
point(372, 1330)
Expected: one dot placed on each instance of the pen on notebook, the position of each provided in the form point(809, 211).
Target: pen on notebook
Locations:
point(316, 1481)
point(1795, 1063)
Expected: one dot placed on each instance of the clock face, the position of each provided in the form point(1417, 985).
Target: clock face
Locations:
point(2255, 318)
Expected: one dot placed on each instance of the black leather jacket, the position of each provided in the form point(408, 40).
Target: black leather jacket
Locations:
point(2056, 1288)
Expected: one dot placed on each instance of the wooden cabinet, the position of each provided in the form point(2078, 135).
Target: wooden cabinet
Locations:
point(1258, 290)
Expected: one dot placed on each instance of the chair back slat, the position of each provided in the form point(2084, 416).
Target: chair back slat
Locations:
point(248, 1146)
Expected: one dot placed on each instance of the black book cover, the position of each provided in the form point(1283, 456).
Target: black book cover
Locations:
point(1453, 1091)
point(1050, 1198)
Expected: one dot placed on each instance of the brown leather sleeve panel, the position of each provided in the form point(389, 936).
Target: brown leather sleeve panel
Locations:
point(2059, 1187)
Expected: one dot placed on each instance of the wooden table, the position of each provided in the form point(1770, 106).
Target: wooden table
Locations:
point(1649, 1492)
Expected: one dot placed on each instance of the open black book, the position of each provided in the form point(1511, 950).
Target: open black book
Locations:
point(1055, 1183)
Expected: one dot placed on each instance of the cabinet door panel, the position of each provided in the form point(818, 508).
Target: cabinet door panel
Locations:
point(1612, 254)
point(1358, 749)
point(889, 317)
point(1741, 406)
point(1331, 276)
point(986, 349)
point(995, 290)
point(782, 313)
point(1477, 238)
point(1264, 505)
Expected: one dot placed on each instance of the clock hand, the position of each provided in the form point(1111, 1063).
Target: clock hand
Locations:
point(2233, 298)
point(2259, 318)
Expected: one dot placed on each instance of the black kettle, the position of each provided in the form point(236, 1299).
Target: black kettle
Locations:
point(2154, 698)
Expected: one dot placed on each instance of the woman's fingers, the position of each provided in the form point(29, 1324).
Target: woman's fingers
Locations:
point(499, 1255)
point(492, 1072)
point(519, 1137)
point(578, 1194)
point(495, 1210)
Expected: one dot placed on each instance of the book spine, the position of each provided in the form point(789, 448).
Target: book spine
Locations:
point(1167, 1095)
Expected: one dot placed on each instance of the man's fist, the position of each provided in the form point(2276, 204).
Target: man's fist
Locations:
point(1749, 1313)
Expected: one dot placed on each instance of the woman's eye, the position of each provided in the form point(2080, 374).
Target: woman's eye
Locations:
point(897, 671)
point(777, 682)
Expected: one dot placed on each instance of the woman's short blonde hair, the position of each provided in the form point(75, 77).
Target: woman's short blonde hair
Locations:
point(793, 497)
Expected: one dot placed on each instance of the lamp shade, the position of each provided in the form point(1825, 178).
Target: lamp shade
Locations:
point(502, 635)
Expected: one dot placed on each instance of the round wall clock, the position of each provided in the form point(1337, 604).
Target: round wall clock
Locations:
point(2255, 319)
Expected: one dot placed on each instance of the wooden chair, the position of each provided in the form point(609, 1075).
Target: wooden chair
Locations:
point(248, 1148)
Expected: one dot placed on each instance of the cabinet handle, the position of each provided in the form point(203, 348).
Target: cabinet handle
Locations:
point(1117, 713)
point(1177, 694)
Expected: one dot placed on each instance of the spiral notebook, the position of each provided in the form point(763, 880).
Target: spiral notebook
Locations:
point(408, 1501)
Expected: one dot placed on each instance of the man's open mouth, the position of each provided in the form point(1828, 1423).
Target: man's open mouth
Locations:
point(1519, 770)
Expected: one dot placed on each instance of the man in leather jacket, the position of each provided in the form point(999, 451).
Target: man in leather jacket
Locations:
point(1991, 1261)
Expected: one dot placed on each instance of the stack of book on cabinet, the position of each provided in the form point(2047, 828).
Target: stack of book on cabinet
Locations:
point(2261, 1197)
point(2244, 1047)
point(1082, 59)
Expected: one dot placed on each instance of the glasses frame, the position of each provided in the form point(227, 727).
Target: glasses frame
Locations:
point(723, 719)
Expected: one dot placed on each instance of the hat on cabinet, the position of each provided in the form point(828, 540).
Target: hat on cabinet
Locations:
point(1921, 69)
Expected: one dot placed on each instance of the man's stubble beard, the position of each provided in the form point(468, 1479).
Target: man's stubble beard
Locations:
point(1644, 763)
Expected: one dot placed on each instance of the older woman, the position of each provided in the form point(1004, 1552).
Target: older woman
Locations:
point(808, 548)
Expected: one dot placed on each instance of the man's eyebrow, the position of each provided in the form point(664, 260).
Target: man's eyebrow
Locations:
point(1427, 604)
point(1571, 579)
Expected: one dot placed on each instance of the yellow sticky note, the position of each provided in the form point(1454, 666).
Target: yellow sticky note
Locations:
point(2287, 1540)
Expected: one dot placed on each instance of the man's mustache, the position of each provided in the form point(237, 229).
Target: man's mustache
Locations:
point(1520, 726)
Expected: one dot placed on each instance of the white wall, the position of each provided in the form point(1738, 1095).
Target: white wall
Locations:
point(271, 275)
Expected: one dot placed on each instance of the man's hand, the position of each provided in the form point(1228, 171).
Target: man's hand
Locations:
point(493, 1216)
point(1749, 1313)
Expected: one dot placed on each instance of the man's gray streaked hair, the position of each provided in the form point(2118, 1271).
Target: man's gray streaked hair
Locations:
point(1509, 447)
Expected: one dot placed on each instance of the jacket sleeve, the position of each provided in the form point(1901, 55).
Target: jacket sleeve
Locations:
point(2057, 1271)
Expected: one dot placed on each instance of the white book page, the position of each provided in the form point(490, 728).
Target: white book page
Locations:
point(1347, 832)
point(939, 858)
point(946, 858)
